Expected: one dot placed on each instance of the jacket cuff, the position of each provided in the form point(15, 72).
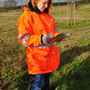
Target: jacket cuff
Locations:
point(43, 39)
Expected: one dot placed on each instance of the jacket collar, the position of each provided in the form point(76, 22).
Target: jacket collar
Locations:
point(36, 9)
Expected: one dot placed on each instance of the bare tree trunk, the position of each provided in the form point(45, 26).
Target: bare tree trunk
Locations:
point(74, 14)
point(71, 13)
point(67, 13)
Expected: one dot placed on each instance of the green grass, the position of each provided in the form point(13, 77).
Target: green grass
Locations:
point(81, 24)
point(74, 70)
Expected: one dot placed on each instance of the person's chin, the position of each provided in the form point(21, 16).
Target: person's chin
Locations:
point(42, 10)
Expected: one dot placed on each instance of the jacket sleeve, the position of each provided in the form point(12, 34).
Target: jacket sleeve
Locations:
point(25, 32)
point(56, 32)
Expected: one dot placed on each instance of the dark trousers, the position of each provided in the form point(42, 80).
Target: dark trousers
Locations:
point(41, 82)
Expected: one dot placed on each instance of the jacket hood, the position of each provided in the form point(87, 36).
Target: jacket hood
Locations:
point(35, 9)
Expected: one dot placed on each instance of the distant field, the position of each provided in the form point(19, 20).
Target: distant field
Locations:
point(74, 70)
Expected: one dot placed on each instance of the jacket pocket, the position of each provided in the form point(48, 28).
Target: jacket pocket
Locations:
point(39, 29)
point(40, 57)
point(55, 58)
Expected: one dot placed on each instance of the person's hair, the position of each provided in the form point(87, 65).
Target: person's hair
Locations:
point(34, 3)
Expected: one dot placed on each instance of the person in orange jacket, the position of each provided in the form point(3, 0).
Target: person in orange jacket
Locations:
point(35, 29)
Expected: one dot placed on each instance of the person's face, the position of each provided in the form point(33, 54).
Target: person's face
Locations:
point(42, 5)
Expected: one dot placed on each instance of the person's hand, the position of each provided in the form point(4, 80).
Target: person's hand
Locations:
point(49, 40)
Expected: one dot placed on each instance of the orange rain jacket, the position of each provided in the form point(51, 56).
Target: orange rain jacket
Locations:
point(33, 29)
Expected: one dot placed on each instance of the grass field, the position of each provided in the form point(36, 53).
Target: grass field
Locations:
point(74, 70)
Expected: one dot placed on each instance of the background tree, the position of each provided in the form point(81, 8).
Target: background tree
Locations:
point(71, 12)
point(10, 4)
point(85, 1)
point(21, 3)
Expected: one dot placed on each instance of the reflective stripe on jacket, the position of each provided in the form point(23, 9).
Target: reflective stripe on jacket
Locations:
point(41, 58)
